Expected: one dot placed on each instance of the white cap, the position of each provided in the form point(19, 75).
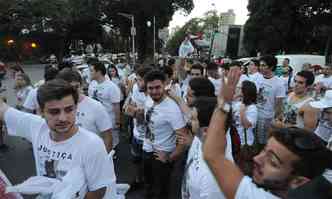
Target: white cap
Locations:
point(325, 102)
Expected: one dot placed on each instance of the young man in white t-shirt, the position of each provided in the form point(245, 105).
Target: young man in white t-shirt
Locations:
point(214, 77)
point(135, 109)
point(270, 97)
point(164, 120)
point(323, 82)
point(198, 181)
point(253, 73)
point(59, 145)
point(107, 93)
point(91, 114)
point(291, 157)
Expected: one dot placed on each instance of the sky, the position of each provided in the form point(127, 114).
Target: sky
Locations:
point(201, 6)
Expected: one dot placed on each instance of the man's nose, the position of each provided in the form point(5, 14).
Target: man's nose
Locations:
point(63, 116)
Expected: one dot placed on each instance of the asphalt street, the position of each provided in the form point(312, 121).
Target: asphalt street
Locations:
point(18, 162)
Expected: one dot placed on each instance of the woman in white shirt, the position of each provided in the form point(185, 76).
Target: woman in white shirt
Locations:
point(22, 88)
point(245, 113)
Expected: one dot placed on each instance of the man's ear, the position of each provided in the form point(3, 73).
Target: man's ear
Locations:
point(298, 181)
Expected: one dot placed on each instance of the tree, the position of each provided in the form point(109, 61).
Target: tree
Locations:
point(61, 20)
point(144, 10)
point(207, 24)
point(290, 26)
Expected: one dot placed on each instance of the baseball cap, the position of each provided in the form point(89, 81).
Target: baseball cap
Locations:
point(325, 102)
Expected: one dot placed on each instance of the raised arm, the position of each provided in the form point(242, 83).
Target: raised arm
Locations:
point(227, 174)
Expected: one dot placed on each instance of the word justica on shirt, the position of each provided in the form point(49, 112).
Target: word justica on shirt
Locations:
point(55, 154)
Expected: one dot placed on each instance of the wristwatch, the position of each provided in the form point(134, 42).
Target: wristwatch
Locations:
point(224, 106)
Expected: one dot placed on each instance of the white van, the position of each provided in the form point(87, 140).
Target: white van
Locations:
point(297, 61)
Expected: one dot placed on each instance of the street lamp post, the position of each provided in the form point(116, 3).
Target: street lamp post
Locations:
point(132, 32)
point(154, 37)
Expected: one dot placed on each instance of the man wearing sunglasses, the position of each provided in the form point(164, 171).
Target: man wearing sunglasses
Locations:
point(164, 120)
point(291, 157)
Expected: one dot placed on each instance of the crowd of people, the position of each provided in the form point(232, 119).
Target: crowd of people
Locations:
point(231, 130)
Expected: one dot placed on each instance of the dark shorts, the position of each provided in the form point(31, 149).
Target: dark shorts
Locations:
point(136, 150)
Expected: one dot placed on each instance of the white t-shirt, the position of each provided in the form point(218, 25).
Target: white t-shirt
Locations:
point(248, 190)
point(199, 182)
point(326, 81)
point(55, 159)
point(324, 131)
point(92, 116)
point(106, 93)
point(251, 115)
point(22, 94)
point(256, 78)
point(165, 118)
point(217, 85)
point(31, 101)
point(184, 86)
point(175, 89)
point(139, 98)
point(269, 91)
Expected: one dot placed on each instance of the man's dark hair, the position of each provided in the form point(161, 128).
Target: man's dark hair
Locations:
point(143, 70)
point(50, 73)
point(249, 91)
point(154, 75)
point(225, 66)
point(92, 60)
point(270, 61)
point(69, 75)
point(211, 66)
point(202, 87)
point(235, 63)
point(168, 71)
point(55, 89)
point(98, 66)
point(205, 107)
point(287, 60)
point(198, 67)
point(308, 76)
point(255, 61)
point(171, 62)
point(311, 150)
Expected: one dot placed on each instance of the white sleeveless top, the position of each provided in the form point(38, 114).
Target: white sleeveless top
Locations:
point(291, 111)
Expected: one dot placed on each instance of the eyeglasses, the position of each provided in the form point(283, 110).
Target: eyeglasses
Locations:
point(301, 142)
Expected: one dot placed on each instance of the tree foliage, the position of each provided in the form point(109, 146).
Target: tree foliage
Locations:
point(144, 10)
point(67, 20)
point(205, 25)
point(291, 26)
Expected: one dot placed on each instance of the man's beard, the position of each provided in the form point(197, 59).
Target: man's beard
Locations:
point(275, 186)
